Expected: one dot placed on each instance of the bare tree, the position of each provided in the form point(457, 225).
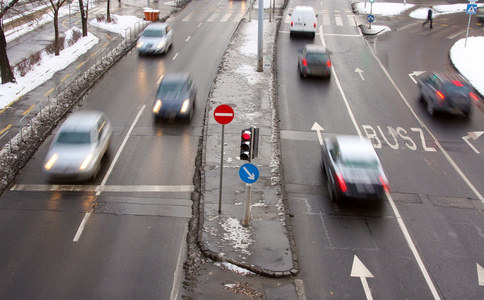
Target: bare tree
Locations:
point(55, 5)
point(108, 13)
point(6, 70)
point(84, 14)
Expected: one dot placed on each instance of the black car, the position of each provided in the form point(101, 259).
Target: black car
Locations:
point(446, 93)
point(175, 97)
point(313, 60)
point(353, 168)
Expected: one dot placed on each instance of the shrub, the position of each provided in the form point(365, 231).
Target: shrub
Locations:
point(27, 64)
point(76, 35)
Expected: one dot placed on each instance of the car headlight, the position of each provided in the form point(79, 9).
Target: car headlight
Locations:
point(185, 106)
point(50, 163)
point(161, 44)
point(156, 108)
point(140, 44)
point(86, 162)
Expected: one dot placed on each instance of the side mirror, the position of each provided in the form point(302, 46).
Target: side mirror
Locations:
point(290, 14)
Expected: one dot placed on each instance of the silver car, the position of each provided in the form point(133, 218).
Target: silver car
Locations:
point(78, 147)
point(157, 38)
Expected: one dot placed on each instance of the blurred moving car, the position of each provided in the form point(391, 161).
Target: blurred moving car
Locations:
point(78, 147)
point(480, 13)
point(313, 60)
point(353, 168)
point(446, 93)
point(156, 38)
point(303, 21)
point(175, 97)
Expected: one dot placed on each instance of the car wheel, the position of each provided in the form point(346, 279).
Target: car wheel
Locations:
point(332, 193)
point(313, 35)
point(430, 108)
point(467, 113)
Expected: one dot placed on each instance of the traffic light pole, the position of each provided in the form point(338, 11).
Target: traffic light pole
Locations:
point(248, 189)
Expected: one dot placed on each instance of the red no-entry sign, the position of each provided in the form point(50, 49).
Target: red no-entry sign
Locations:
point(223, 114)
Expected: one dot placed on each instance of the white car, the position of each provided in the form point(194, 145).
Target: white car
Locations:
point(77, 148)
point(156, 38)
point(303, 21)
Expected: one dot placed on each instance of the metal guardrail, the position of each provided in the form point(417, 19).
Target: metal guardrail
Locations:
point(82, 73)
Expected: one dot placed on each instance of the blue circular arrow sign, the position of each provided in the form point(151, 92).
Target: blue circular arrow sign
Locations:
point(370, 18)
point(248, 173)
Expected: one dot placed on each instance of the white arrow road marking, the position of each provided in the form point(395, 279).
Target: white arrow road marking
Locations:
point(251, 175)
point(415, 73)
point(318, 129)
point(480, 275)
point(360, 71)
point(359, 270)
point(472, 135)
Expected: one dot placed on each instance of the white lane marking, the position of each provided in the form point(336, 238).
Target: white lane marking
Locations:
point(160, 79)
point(188, 38)
point(450, 37)
point(178, 274)
point(95, 188)
point(116, 157)
point(400, 222)
point(174, 57)
point(81, 227)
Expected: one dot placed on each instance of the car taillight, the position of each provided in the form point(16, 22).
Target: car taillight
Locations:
point(328, 63)
point(473, 96)
point(292, 23)
point(341, 183)
point(305, 62)
point(314, 24)
point(440, 95)
point(385, 184)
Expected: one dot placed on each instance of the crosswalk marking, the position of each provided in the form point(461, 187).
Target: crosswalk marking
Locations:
point(187, 18)
point(226, 17)
point(213, 17)
point(339, 21)
point(326, 20)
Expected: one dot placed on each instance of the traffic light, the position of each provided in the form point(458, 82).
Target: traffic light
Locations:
point(249, 143)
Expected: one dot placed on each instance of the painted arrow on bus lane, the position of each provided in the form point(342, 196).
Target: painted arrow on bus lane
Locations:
point(472, 135)
point(318, 130)
point(359, 270)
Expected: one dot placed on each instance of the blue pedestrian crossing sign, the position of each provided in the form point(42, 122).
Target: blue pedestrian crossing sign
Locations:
point(370, 18)
point(248, 173)
point(471, 9)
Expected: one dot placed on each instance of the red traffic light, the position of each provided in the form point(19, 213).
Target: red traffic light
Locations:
point(246, 135)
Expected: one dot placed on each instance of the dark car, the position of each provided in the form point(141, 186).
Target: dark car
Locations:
point(353, 168)
point(313, 60)
point(175, 97)
point(446, 93)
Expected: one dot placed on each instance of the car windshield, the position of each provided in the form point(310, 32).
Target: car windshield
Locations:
point(169, 90)
point(316, 57)
point(74, 138)
point(153, 33)
point(360, 163)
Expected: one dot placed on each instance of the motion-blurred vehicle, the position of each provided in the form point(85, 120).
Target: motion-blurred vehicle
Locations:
point(175, 97)
point(480, 12)
point(303, 21)
point(314, 60)
point(78, 147)
point(446, 93)
point(156, 38)
point(353, 168)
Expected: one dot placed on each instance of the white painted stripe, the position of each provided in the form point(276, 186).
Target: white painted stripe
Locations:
point(178, 274)
point(351, 20)
point(188, 38)
point(174, 57)
point(339, 20)
point(213, 17)
point(226, 17)
point(287, 20)
point(408, 26)
point(106, 188)
point(187, 18)
point(326, 20)
point(116, 157)
point(400, 222)
point(224, 114)
point(453, 36)
point(202, 16)
point(81, 227)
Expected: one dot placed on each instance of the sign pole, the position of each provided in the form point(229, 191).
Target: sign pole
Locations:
point(248, 189)
point(221, 170)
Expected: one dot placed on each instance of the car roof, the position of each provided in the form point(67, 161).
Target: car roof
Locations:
point(352, 146)
point(315, 48)
point(81, 120)
point(304, 8)
point(156, 25)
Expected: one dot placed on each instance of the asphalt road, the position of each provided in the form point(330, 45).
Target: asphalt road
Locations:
point(423, 241)
point(123, 235)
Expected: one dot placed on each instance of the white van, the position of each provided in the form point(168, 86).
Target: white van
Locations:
point(303, 21)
